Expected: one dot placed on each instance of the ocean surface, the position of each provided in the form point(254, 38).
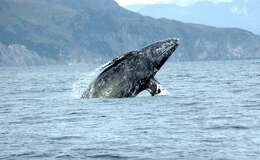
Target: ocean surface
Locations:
point(211, 113)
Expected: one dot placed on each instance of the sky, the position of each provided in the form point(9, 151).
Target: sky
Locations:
point(179, 2)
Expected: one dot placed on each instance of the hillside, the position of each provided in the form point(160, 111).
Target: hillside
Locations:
point(98, 30)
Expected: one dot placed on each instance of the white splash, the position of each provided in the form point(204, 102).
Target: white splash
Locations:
point(163, 92)
point(82, 84)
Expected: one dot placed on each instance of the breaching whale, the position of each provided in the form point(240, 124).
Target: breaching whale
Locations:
point(132, 73)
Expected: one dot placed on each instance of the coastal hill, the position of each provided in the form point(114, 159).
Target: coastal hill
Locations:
point(94, 31)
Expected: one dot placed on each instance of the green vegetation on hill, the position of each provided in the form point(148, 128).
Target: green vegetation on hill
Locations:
point(97, 30)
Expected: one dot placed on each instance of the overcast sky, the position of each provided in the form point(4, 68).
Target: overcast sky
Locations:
point(180, 2)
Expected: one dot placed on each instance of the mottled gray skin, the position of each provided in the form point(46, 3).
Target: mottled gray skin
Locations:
point(130, 74)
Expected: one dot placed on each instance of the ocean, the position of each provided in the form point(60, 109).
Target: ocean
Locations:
point(212, 112)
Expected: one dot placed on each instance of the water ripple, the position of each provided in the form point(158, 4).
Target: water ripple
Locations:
point(212, 112)
point(228, 127)
point(107, 156)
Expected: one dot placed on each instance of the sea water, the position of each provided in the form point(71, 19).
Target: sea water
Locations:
point(212, 112)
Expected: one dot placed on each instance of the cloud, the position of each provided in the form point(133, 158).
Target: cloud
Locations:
point(128, 2)
point(188, 2)
point(178, 2)
point(239, 11)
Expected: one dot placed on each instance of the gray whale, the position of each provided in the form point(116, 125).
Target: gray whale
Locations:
point(130, 74)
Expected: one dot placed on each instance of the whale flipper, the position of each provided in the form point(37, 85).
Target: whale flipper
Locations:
point(113, 62)
point(155, 88)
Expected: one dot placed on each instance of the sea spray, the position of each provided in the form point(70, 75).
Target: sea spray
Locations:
point(80, 86)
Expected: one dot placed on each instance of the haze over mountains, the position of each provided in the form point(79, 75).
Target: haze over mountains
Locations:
point(234, 13)
point(94, 31)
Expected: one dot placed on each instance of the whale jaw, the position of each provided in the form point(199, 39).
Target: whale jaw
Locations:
point(159, 52)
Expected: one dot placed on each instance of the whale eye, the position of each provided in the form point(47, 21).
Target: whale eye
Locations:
point(159, 90)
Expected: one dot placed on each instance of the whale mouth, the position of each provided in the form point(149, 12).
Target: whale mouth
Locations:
point(165, 51)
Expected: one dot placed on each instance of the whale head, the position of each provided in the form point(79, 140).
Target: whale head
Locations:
point(160, 51)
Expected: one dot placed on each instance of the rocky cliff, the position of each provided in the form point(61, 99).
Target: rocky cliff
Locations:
point(15, 54)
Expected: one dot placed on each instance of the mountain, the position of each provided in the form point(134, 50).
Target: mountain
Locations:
point(94, 31)
point(238, 13)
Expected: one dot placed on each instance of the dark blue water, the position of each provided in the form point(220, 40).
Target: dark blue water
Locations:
point(212, 112)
